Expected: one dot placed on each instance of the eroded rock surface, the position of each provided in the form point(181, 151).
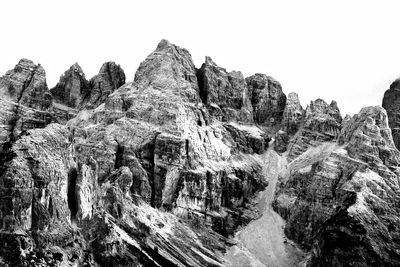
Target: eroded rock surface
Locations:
point(340, 199)
point(25, 100)
point(224, 93)
point(74, 92)
point(267, 99)
point(322, 123)
point(72, 88)
point(391, 102)
point(149, 177)
point(161, 171)
point(293, 115)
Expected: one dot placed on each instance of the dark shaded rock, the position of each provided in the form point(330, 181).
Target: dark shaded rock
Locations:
point(72, 87)
point(224, 93)
point(110, 77)
point(391, 102)
point(293, 115)
point(281, 141)
point(73, 92)
point(247, 139)
point(267, 99)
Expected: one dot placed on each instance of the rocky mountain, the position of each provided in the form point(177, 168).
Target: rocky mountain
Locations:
point(391, 102)
point(163, 171)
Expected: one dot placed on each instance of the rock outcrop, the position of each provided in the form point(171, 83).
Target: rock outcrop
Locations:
point(293, 115)
point(25, 100)
point(391, 102)
point(340, 199)
point(267, 99)
point(162, 170)
point(224, 93)
point(72, 88)
point(110, 77)
point(74, 91)
point(322, 123)
point(150, 177)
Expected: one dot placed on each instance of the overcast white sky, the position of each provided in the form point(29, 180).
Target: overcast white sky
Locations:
point(343, 50)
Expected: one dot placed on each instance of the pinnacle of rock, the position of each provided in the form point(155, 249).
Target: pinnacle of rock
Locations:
point(163, 170)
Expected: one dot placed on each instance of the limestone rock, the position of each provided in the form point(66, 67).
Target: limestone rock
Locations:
point(293, 115)
point(246, 138)
point(391, 102)
point(281, 141)
point(267, 99)
point(322, 123)
point(343, 194)
point(72, 87)
point(110, 77)
point(157, 133)
point(224, 93)
point(25, 100)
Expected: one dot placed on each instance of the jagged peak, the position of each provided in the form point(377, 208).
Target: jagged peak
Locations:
point(110, 65)
point(29, 65)
point(77, 68)
point(164, 43)
point(262, 78)
point(347, 117)
point(209, 61)
point(25, 61)
point(293, 96)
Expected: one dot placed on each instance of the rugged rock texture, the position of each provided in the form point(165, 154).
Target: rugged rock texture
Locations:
point(267, 99)
point(281, 141)
point(391, 102)
point(72, 88)
point(322, 123)
point(161, 170)
point(148, 178)
point(293, 114)
point(341, 199)
point(25, 101)
point(110, 77)
point(224, 93)
point(74, 91)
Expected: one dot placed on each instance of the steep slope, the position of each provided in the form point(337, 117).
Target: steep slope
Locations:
point(25, 101)
point(163, 170)
point(262, 242)
point(340, 200)
point(148, 177)
point(391, 102)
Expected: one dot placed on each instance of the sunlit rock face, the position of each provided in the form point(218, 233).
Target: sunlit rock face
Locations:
point(322, 123)
point(160, 171)
point(340, 199)
point(25, 100)
point(141, 172)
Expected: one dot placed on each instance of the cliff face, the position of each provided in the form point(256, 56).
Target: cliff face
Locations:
point(267, 99)
point(26, 101)
point(160, 171)
point(116, 168)
point(391, 102)
point(339, 199)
